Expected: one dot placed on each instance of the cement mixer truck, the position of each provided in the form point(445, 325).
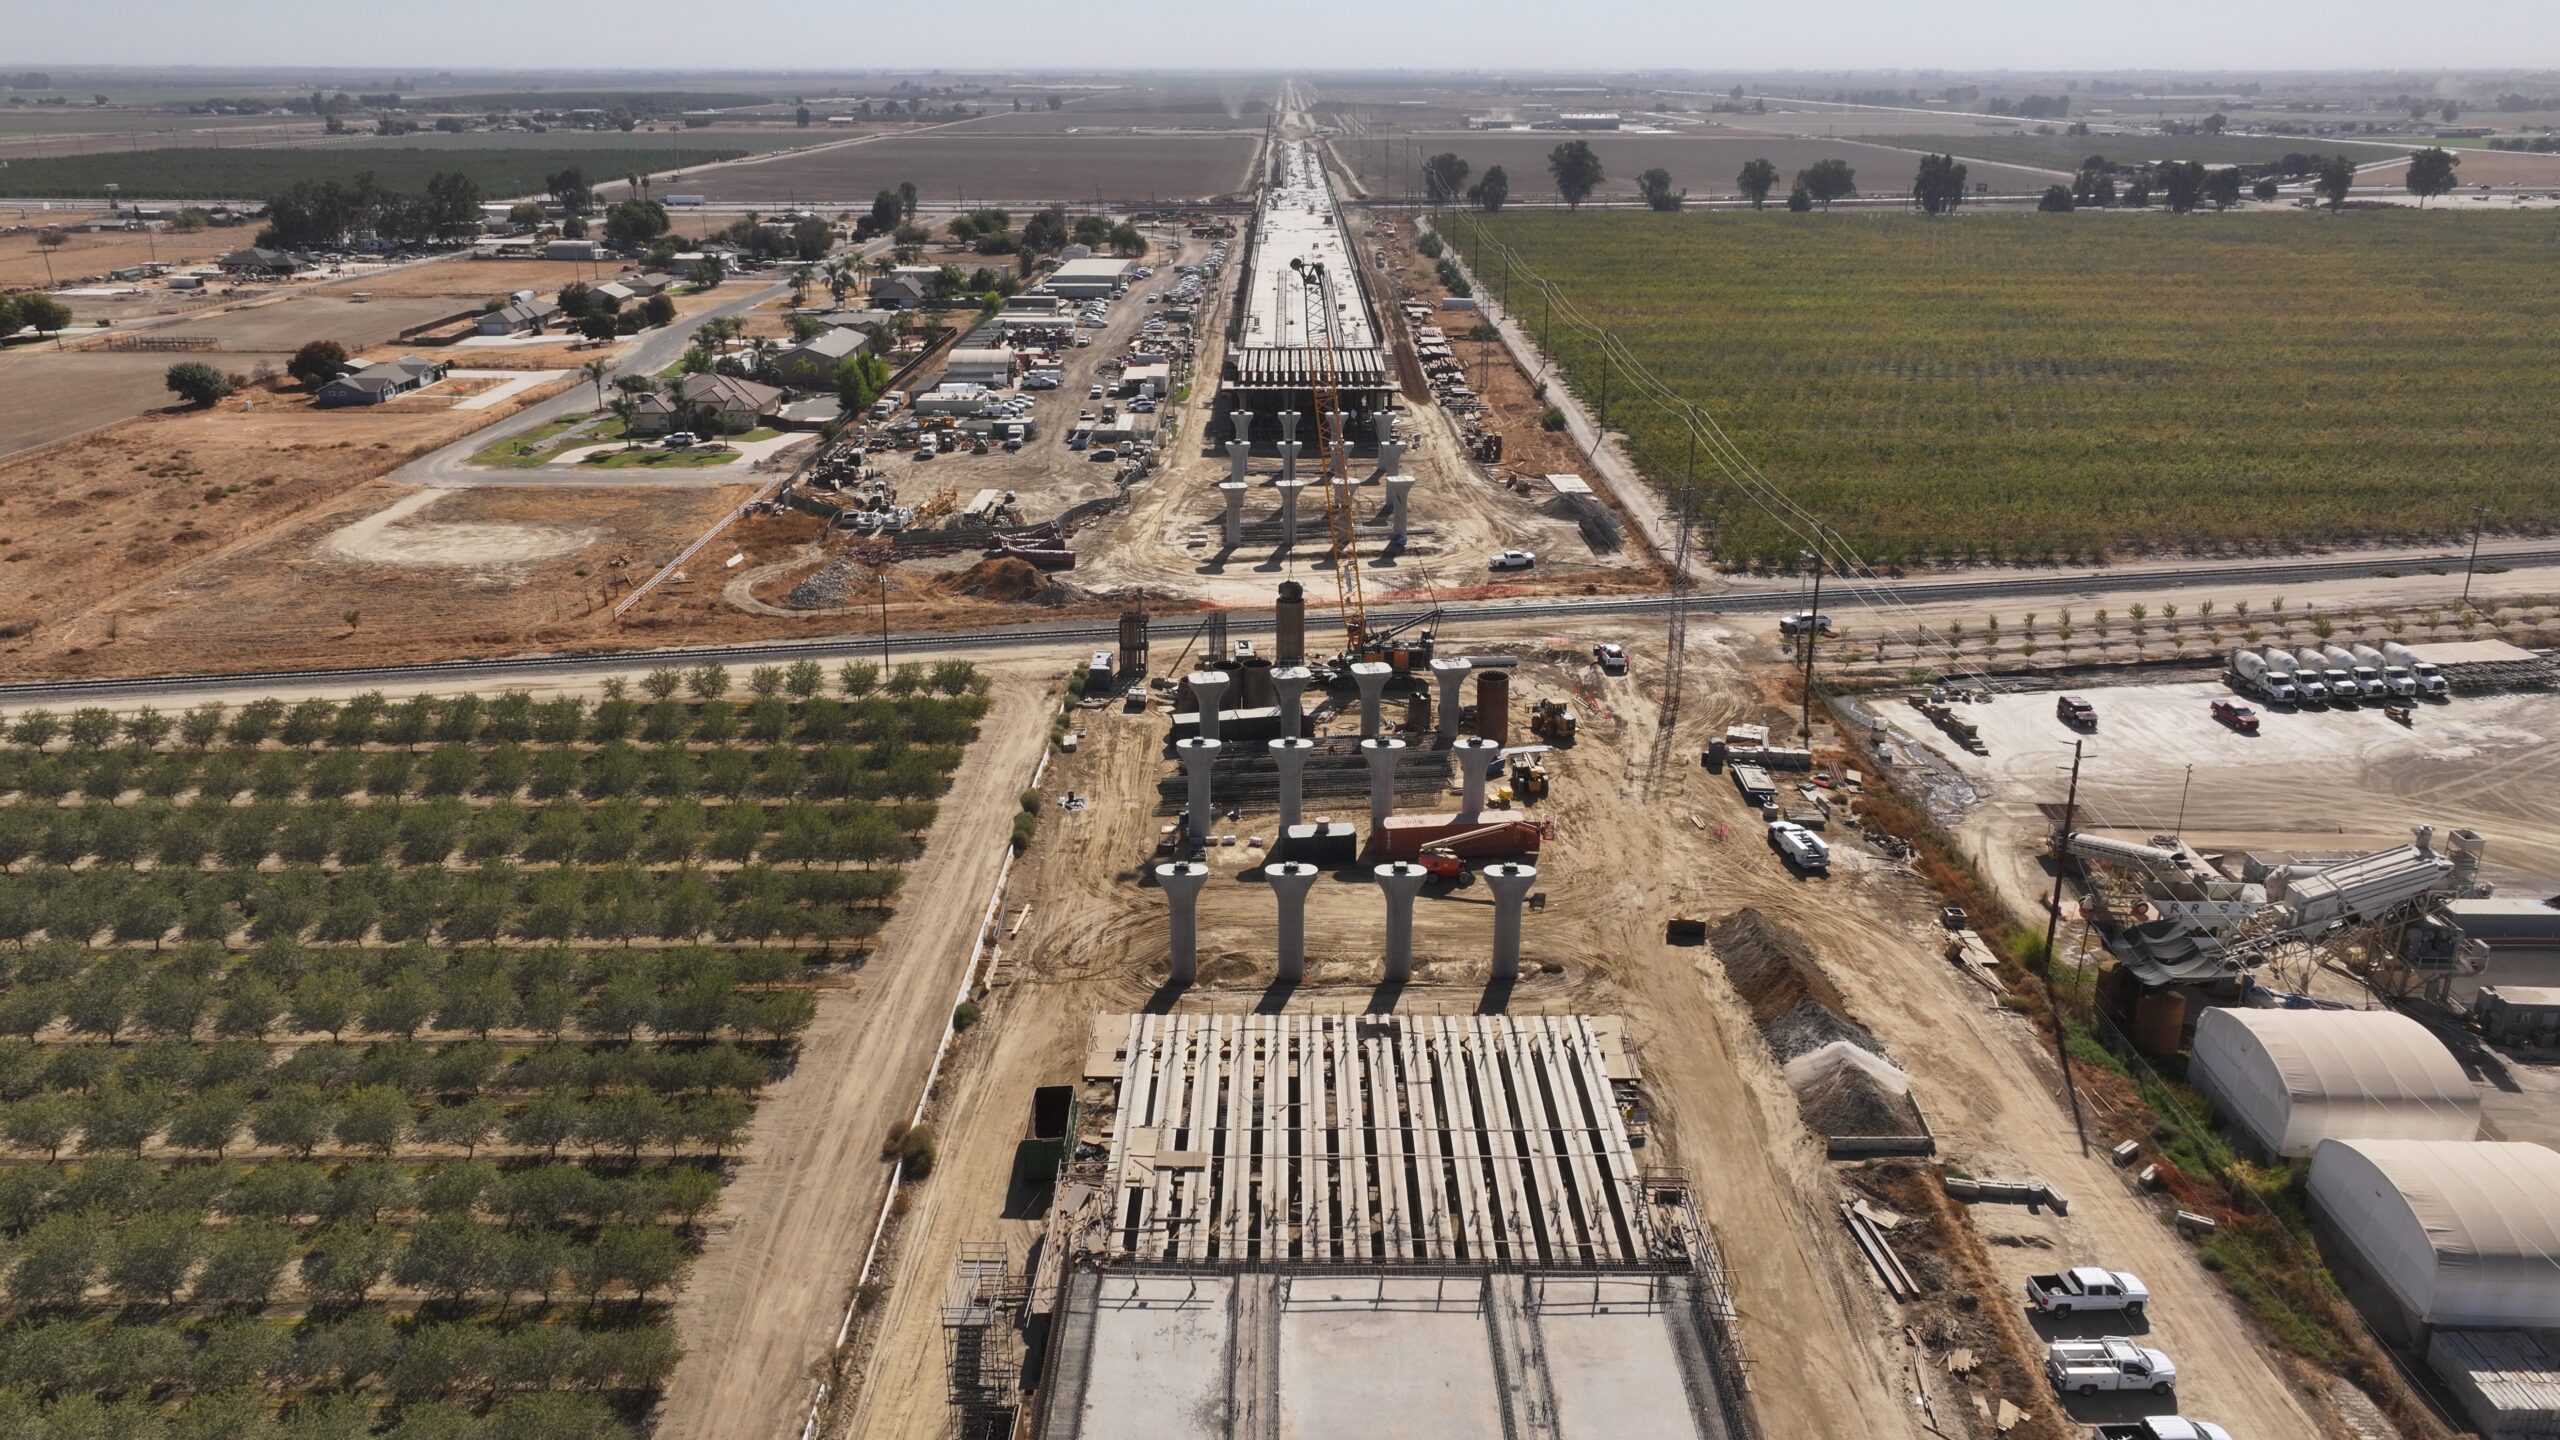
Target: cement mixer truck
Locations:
point(2367, 678)
point(2431, 681)
point(2340, 685)
point(2396, 679)
point(2252, 674)
point(2308, 688)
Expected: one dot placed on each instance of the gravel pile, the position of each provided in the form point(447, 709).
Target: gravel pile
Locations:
point(825, 588)
point(1853, 1103)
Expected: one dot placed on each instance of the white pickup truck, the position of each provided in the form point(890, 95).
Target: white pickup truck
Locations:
point(2086, 1289)
point(2161, 1427)
point(2085, 1367)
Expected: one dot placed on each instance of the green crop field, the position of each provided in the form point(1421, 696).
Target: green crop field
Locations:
point(373, 1068)
point(2065, 152)
point(2025, 386)
point(183, 173)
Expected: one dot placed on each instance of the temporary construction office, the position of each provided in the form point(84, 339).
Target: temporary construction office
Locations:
point(2460, 1233)
point(2290, 1079)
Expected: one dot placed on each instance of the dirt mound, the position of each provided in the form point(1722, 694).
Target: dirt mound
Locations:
point(1007, 578)
point(1773, 967)
point(1809, 1026)
point(1849, 1103)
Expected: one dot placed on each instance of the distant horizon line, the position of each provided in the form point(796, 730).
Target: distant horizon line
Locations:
point(2551, 73)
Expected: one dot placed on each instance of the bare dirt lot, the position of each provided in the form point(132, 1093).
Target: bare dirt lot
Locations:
point(288, 323)
point(1642, 835)
point(84, 257)
point(2479, 167)
point(48, 396)
point(95, 528)
point(956, 167)
point(1706, 167)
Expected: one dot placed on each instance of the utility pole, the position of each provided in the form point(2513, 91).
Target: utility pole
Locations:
point(2478, 514)
point(1812, 640)
point(2052, 922)
point(2183, 787)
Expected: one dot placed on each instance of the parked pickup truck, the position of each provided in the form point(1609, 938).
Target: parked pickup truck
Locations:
point(2085, 1367)
point(2161, 1427)
point(2087, 1290)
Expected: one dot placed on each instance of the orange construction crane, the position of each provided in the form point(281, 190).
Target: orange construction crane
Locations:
point(1333, 453)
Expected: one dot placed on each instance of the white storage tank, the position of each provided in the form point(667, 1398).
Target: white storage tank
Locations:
point(2457, 1233)
point(2289, 1079)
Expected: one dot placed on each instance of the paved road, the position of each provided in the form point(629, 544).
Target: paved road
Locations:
point(1072, 636)
point(657, 349)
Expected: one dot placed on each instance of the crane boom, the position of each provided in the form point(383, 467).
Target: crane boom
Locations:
point(1332, 452)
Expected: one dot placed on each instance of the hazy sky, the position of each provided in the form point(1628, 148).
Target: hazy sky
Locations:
point(1336, 34)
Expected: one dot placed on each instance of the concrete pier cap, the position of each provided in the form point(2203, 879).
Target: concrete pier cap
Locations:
point(1402, 881)
point(1208, 687)
point(1290, 754)
point(1478, 760)
point(1237, 450)
point(1199, 758)
point(1181, 881)
point(1452, 677)
point(1371, 677)
point(1399, 505)
point(1383, 757)
point(1232, 493)
point(1288, 684)
point(1509, 881)
point(1290, 882)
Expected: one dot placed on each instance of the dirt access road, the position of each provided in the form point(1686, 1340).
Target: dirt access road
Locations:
point(765, 1300)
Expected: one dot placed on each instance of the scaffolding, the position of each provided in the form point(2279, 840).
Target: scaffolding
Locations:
point(978, 1341)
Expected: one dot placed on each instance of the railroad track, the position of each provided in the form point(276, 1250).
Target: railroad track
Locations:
point(1491, 613)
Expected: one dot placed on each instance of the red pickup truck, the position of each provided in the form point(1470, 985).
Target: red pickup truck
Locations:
point(2236, 715)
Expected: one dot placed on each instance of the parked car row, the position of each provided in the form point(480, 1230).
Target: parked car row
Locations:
point(2111, 1363)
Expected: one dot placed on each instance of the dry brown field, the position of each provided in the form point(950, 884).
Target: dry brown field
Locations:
point(953, 167)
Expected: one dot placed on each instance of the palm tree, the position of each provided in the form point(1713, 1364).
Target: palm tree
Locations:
point(760, 356)
point(596, 371)
point(840, 278)
point(802, 277)
point(626, 408)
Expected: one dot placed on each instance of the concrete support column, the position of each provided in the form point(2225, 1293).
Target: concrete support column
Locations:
point(1232, 492)
point(1383, 757)
point(1510, 884)
point(1290, 882)
point(1288, 426)
point(1478, 759)
point(1452, 678)
point(1237, 450)
point(1371, 677)
point(1289, 492)
point(1199, 757)
point(1208, 687)
point(1390, 455)
point(1289, 462)
point(1402, 880)
point(1399, 501)
point(1289, 682)
point(1291, 756)
point(1181, 882)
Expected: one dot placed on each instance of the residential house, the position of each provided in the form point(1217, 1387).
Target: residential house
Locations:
point(811, 364)
point(522, 313)
point(257, 260)
point(906, 287)
point(376, 383)
point(716, 404)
